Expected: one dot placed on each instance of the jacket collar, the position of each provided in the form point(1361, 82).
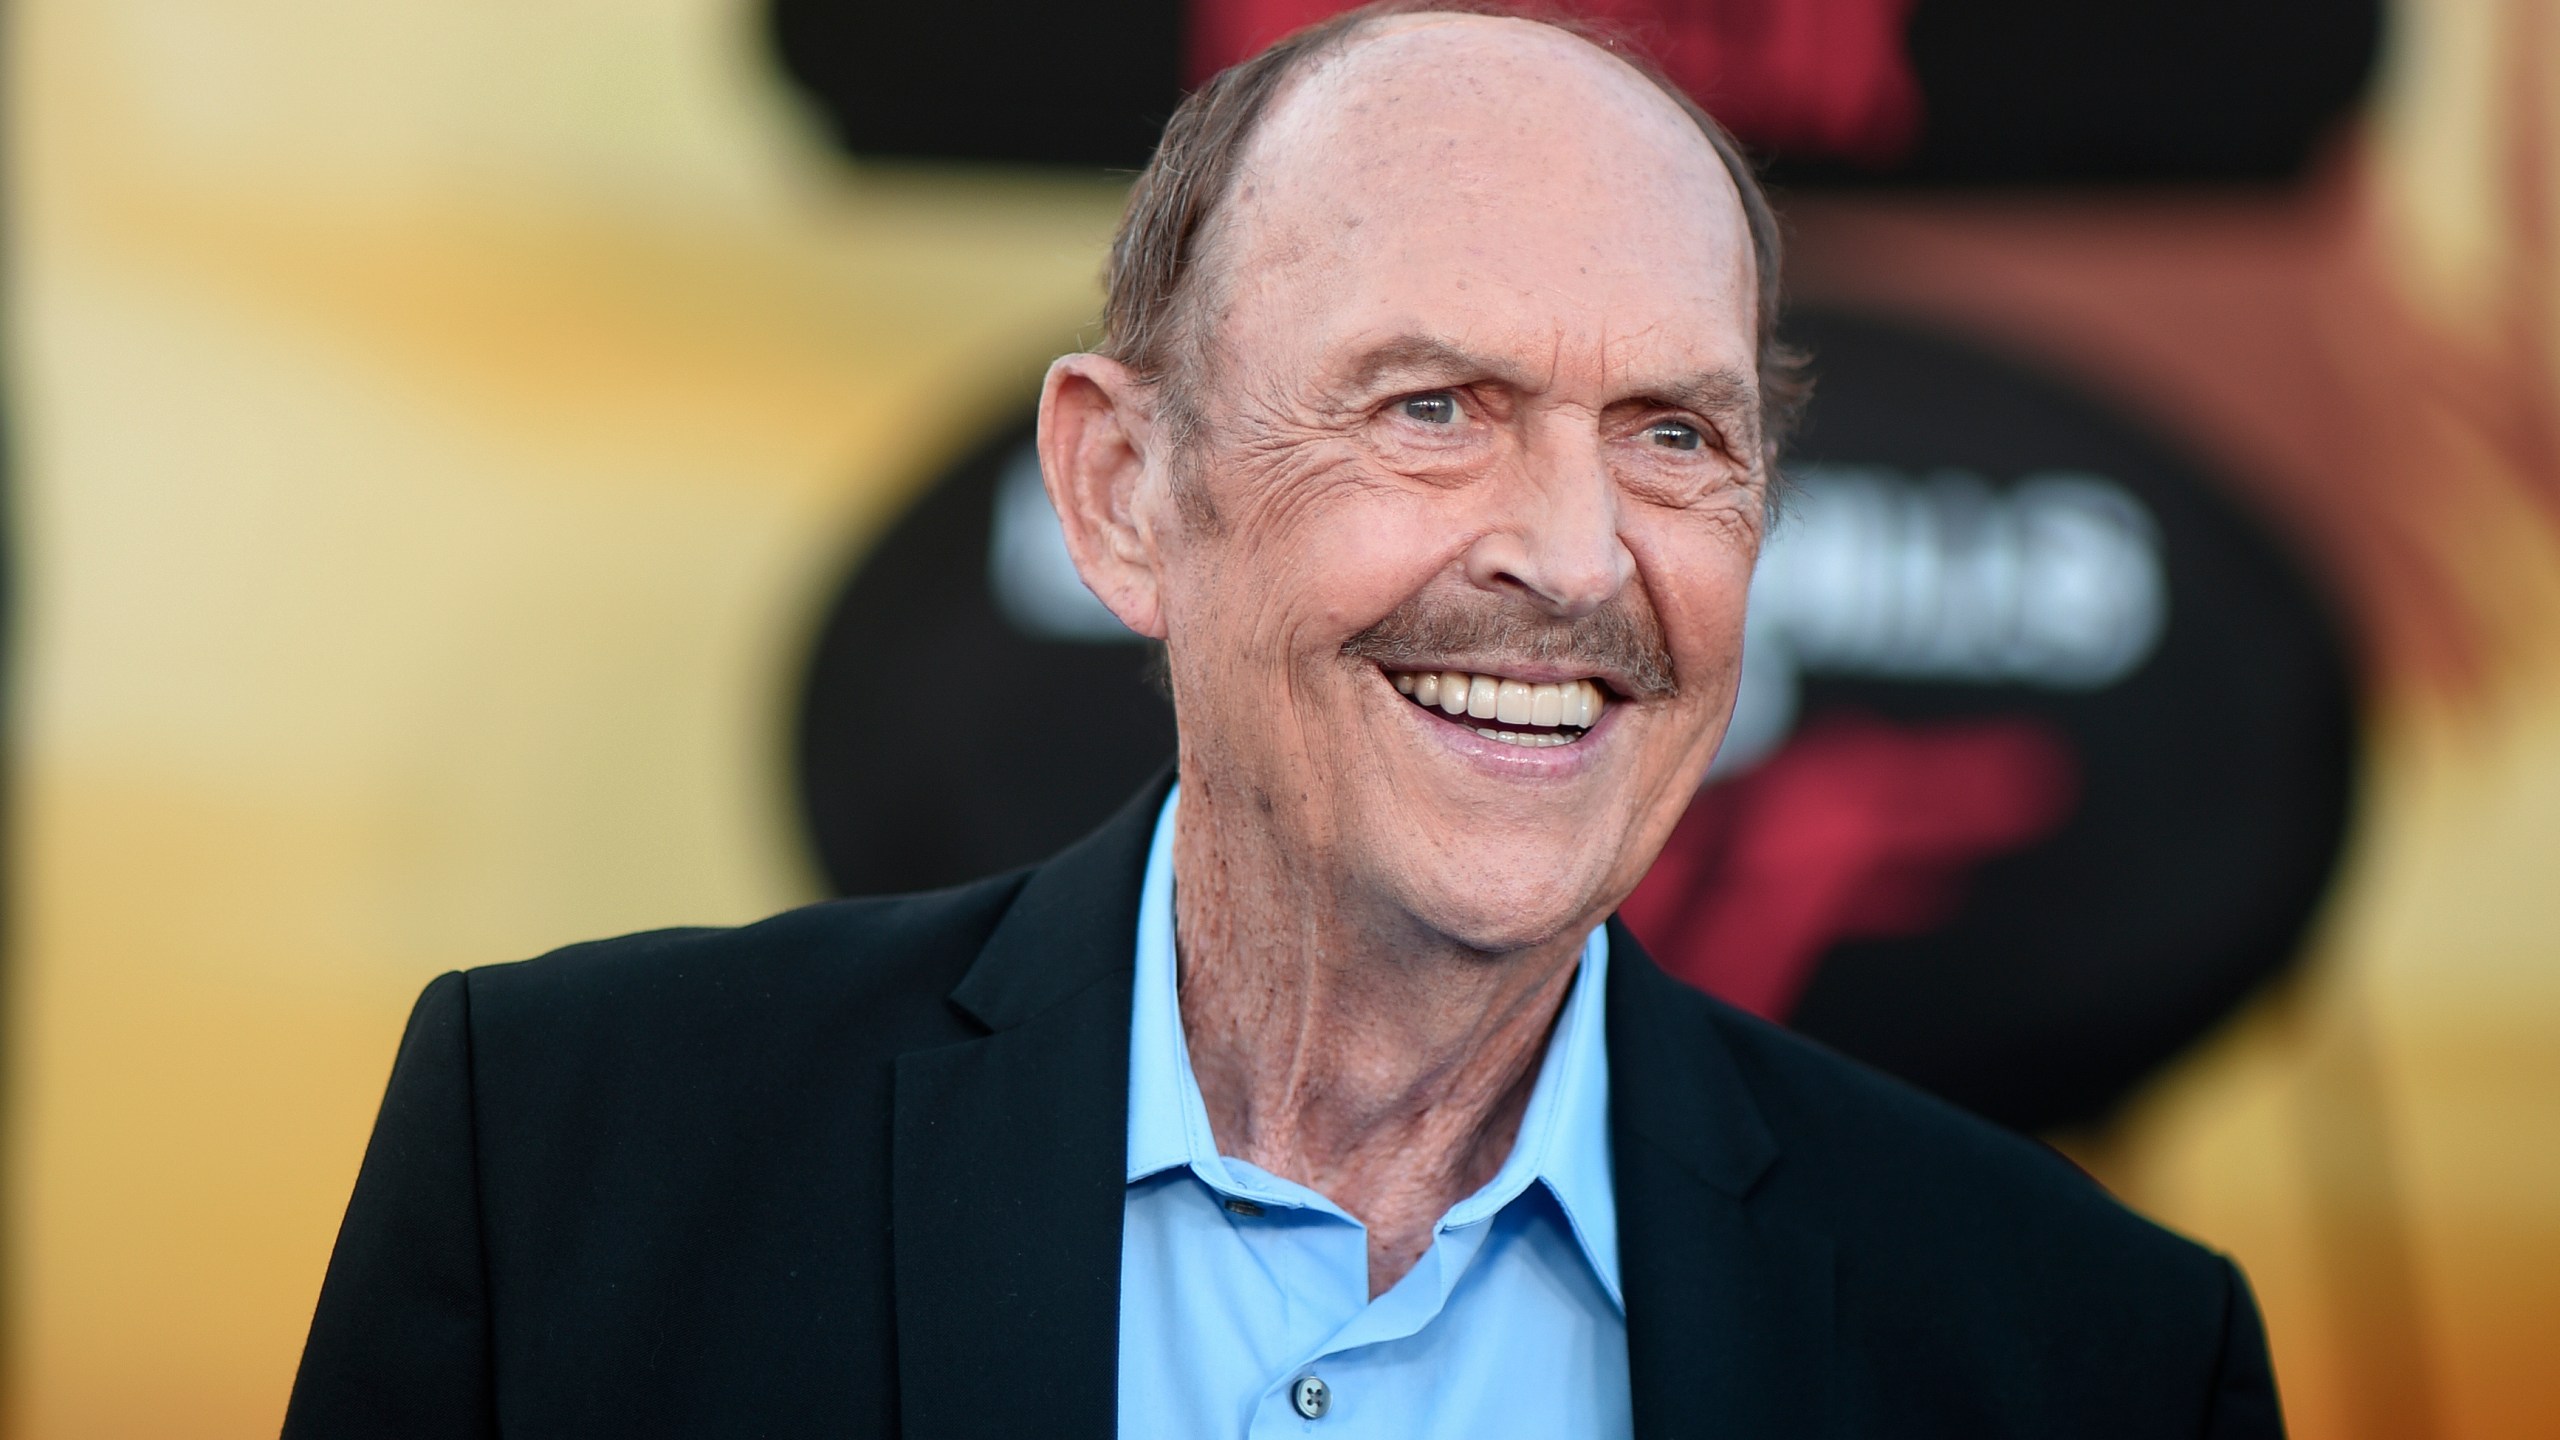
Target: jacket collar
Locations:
point(1692, 1102)
point(1074, 922)
point(1005, 1164)
point(1729, 1299)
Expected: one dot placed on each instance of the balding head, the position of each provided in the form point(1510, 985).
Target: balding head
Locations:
point(1168, 267)
point(1433, 447)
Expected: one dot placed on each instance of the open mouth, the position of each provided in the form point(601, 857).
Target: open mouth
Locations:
point(1515, 712)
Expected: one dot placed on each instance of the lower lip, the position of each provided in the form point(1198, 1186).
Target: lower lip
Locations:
point(1500, 757)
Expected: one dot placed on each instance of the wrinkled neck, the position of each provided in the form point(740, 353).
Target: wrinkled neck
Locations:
point(1341, 1044)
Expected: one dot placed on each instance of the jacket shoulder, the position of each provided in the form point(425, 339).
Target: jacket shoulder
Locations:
point(668, 1155)
point(1875, 1153)
point(1974, 1261)
point(871, 974)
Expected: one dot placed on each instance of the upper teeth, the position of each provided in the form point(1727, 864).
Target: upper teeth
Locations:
point(1512, 702)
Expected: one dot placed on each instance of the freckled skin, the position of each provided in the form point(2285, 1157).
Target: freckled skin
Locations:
point(1376, 931)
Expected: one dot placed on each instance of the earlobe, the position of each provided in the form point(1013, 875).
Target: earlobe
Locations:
point(1096, 429)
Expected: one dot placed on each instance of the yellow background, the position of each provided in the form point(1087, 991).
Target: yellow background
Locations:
point(435, 424)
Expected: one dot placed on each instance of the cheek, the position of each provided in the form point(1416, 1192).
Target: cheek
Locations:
point(1701, 588)
point(1328, 555)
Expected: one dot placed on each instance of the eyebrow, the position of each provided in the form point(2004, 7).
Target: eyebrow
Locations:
point(1428, 355)
point(1729, 396)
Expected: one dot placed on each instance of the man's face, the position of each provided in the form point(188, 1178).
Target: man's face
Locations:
point(1455, 601)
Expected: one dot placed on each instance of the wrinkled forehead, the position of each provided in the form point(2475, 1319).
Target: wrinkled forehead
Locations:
point(1543, 180)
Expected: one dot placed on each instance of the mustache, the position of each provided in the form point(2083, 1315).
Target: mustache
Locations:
point(1622, 640)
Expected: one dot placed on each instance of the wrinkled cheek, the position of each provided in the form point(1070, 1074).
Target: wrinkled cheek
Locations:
point(1262, 691)
point(1706, 626)
point(1717, 661)
point(1707, 653)
point(1321, 699)
point(1719, 677)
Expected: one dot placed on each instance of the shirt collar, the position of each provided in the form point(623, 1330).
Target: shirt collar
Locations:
point(1564, 1134)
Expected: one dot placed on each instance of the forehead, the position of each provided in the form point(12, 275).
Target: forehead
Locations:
point(1492, 181)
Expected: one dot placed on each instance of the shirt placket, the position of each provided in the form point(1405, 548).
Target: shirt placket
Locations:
point(1341, 1393)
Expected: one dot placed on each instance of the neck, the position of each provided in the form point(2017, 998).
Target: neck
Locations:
point(1342, 1045)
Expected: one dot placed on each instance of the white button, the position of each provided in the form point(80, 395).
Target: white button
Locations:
point(1312, 1396)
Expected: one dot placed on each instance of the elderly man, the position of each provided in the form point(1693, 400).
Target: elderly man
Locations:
point(1314, 1094)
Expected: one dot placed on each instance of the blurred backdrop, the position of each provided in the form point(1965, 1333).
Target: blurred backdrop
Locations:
point(482, 476)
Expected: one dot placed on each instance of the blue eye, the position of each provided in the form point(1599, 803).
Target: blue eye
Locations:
point(1673, 435)
point(1435, 409)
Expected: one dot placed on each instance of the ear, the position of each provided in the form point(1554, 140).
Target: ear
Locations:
point(1097, 424)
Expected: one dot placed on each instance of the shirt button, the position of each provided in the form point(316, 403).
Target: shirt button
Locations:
point(1312, 1396)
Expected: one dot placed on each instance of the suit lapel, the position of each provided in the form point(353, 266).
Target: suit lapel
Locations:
point(1009, 1158)
point(1729, 1309)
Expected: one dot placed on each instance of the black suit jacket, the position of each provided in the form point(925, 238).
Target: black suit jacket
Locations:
point(857, 1171)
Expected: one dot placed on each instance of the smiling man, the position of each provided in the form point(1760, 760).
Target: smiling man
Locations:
point(1315, 1094)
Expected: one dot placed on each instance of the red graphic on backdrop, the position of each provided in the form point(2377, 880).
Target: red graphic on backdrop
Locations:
point(1858, 828)
point(1806, 77)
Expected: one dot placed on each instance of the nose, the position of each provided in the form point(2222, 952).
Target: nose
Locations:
point(1555, 541)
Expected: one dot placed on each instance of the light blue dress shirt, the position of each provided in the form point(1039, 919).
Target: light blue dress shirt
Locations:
point(1236, 1286)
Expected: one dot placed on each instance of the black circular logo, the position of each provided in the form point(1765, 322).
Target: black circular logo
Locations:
point(2042, 760)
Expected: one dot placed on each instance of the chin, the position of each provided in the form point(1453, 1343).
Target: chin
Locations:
point(1493, 883)
point(1504, 918)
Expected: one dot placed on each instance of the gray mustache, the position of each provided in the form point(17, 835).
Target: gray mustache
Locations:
point(1622, 640)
